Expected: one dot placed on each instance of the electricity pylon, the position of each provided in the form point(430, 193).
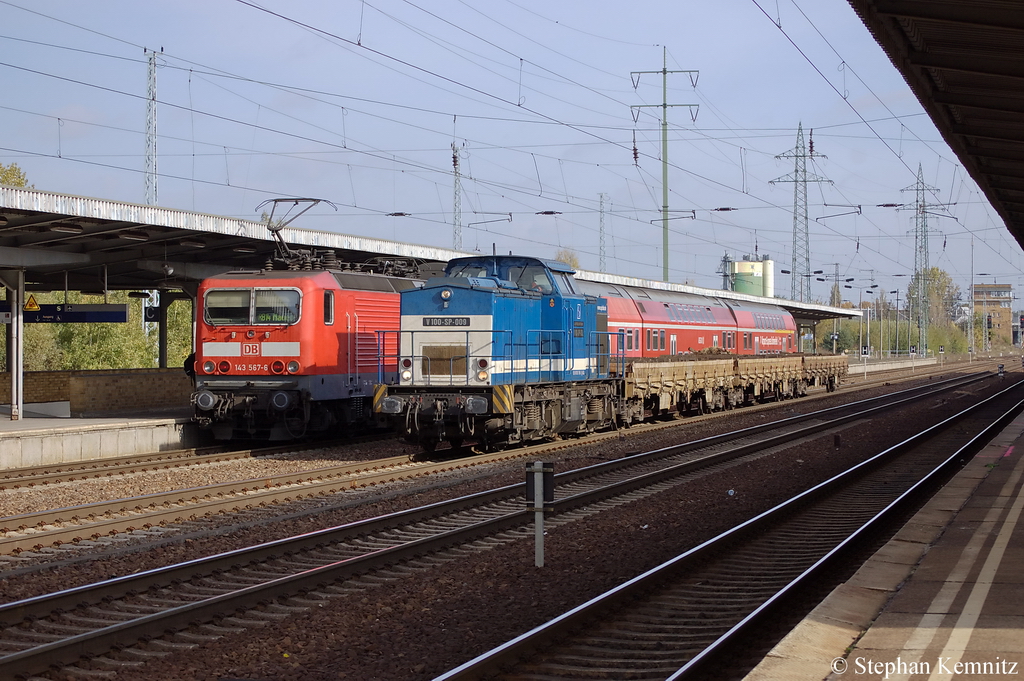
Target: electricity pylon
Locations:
point(801, 285)
point(921, 258)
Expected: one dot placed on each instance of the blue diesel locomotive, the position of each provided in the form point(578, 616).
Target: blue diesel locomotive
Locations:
point(502, 349)
point(509, 349)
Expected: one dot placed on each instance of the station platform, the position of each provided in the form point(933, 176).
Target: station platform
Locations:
point(45, 436)
point(943, 600)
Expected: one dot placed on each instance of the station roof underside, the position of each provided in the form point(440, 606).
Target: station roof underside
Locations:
point(99, 244)
point(964, 60)
point(92, 245)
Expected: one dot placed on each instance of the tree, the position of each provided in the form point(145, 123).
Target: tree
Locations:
point(64, 347)
point(937, 290)
point(13, 176)
point(569, 257)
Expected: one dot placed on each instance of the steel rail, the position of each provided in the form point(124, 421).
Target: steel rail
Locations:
point(96, 642)
point(939, 472)
point(63, 600)
point(92, 521)
point(503, 658)
point(15, 478)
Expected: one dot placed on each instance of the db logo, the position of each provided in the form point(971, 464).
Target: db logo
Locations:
point(250, 349)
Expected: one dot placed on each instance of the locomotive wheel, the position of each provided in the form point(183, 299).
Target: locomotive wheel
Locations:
point(427, 447)
point(494, 445)
point(295, 424)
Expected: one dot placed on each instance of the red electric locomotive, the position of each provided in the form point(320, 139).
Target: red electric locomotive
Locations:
point(280, 354)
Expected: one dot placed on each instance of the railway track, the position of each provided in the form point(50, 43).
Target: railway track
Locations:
point(300, 572)
point(856, 380)
point(34, 476)
point(73, 525)
point(54, 527)
point(694, 616)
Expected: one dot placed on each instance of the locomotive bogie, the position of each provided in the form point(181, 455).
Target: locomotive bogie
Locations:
point(504, 415)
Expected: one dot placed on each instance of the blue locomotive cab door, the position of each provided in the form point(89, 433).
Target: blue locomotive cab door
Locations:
point(554, 342)
point(579, 326)
point(568, 321)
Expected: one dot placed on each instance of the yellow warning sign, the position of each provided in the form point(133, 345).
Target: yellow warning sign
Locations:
point(31, 305)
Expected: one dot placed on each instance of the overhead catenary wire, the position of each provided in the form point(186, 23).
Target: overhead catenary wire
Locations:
point(495, 174)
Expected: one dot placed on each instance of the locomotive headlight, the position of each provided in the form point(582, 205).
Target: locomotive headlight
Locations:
point(293, 366)
point(446, 294)
point(209, 367)
point(406, 375)
point(481, 375)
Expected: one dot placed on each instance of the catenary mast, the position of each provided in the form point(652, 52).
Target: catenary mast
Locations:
point(801, 285)
point(664, 145)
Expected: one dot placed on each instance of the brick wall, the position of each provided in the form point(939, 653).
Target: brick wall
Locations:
point(92, 393)
point(39, 386)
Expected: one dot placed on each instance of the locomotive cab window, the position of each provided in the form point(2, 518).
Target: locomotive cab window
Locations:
point(531, 278)
point(276, 306)
point(470, 271)
point(225, 307)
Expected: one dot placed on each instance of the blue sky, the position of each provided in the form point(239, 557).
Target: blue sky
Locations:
point(359, 103)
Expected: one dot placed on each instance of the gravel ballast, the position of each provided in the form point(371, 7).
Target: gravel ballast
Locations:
point(432, 620)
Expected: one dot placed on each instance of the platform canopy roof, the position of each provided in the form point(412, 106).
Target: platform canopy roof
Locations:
point(93, 244)
point(964, 59)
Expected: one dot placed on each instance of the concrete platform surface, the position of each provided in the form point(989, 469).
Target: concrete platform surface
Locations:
point(943, 600)
point(42, 439)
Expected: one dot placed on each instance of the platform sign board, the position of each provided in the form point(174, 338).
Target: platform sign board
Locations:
point(72, 313)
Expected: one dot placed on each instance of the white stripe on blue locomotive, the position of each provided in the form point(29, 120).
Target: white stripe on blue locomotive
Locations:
point(467, 350)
